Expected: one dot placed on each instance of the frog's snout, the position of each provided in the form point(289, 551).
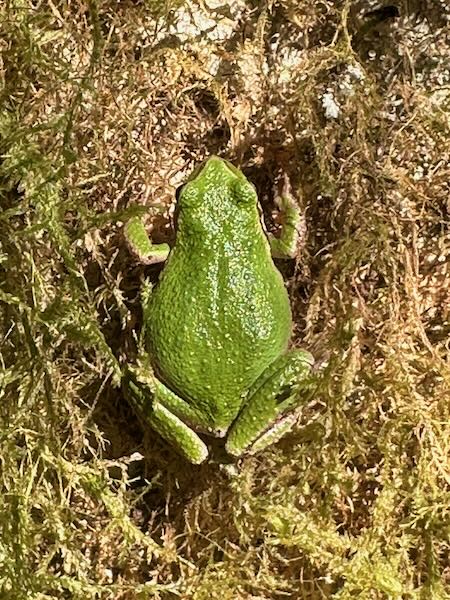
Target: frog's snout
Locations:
point(216, 169)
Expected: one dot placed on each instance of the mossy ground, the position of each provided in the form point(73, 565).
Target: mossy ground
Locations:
point(105, 106)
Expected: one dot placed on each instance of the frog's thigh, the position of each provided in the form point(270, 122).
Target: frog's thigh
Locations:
point(155, 404)
point(270, 410)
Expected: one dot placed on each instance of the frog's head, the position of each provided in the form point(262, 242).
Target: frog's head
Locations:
point(217, 200)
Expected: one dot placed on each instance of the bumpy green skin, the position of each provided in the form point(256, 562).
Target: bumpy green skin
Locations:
point(218, 324)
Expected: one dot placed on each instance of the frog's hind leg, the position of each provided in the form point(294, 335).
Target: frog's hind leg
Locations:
point(165, 412)
point(273, 403)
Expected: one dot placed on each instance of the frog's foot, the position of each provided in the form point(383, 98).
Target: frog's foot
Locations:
point(140, 244)
point(292, 233)
point(273, 403)
point(165, 412)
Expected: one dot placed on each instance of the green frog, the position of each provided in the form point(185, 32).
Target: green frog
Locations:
point(216, 328)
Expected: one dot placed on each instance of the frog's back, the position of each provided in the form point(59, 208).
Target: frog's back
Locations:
point(219, 316)
point(220, 313)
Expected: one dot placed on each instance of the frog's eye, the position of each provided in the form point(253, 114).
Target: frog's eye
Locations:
point(188, 195)
point(245, 192)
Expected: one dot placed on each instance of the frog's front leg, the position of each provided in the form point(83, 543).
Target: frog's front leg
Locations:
point(140, 244)
point(164, 411)
point(270, 410)
point(292, 234)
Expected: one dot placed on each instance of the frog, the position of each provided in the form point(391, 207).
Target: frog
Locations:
point(214, 356)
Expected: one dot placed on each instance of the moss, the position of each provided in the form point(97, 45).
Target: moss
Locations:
point(105, 107)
